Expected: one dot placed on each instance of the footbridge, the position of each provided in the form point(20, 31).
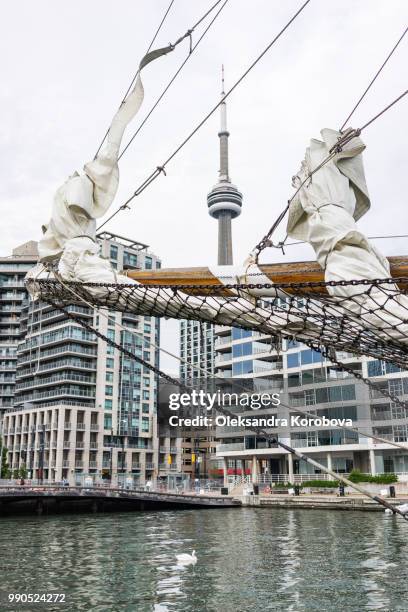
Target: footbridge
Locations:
point(51, 499)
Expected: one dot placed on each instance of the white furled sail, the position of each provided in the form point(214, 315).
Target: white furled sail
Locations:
point(69, 239)
point(324, 214)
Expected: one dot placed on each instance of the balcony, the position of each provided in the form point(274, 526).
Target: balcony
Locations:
point(93, 465)
point(94, 427)
point(65, 463)
point(93, 445)
point(67, 425)
point(58, 392)
point(79, 463)
point(66, 444)
point(227, 448)
point(221, 340)
point(149, 466)
point(80, 426)
point(57, 378)
point(79, 444)
point(136, 466)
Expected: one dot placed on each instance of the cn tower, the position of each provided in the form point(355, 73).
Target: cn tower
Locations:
point(224, 200)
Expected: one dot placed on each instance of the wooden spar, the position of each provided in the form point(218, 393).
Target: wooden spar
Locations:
point(298, 272)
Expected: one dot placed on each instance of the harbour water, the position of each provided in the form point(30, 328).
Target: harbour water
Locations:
point(248, 560)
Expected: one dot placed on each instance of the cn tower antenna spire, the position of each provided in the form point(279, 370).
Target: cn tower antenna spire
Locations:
point(224, 200)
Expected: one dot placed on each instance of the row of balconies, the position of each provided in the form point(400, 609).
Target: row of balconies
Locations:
point(68, 333)
point(68, 377)
point(67, 348)
point(56, 365)
point(81, 426)
point(57, 393)
point(67, 444)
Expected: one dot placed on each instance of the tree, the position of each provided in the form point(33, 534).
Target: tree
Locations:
point(5, 468)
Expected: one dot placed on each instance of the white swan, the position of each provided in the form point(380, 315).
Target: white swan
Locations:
point(186, 559)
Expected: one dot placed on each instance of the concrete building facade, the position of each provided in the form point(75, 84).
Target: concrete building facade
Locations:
point(83, 409)
point(12, 296)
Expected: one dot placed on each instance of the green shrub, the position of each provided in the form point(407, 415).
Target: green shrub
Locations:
point(321, 484)
point(357, 476)
point(282, 485)
point(384, 478)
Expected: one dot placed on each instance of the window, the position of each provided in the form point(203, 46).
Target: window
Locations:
point(242, 350)
point(145, 424)
point(293, 360)
point(129, 259)
point(107, 421)
point(108, 390)
point(395, 386)
point(158, 265)
point(109, 376)
point(306, 357)
point(111, 334)
point(293, 380)
point(242, 367)
point(310, 356)
point(322, 395)
point(146, 394)
point(108, 404)
point(237, 333)
point(113, 252)
point(310, 397)
point(148, 263)
point(400, 433)
point(110, 362)
point(111, 320)
point(110, 350)
point(145, 408)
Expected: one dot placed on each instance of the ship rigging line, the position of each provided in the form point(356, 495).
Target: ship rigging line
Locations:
point(373, 80)
point(173, 78)
point(137, 72)
point(160, 169)
point(188, 34)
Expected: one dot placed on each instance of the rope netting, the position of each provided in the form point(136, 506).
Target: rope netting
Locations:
point(372, 320)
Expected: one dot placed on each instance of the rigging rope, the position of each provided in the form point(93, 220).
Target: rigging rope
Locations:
point(138, 70)
point(373, 80)
point(194, 47)
point(188, 34)
point(161, 168)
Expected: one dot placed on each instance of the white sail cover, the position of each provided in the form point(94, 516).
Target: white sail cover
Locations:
point(324, 214)
point(70, 236)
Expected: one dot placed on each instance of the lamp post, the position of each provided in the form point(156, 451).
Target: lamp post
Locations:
point(42, 448)
point(111, 458)
point(124, 422)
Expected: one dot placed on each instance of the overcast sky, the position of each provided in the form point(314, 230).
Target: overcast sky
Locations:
point(66, 66)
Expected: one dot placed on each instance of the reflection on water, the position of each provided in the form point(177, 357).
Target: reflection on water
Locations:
point(248, 560)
